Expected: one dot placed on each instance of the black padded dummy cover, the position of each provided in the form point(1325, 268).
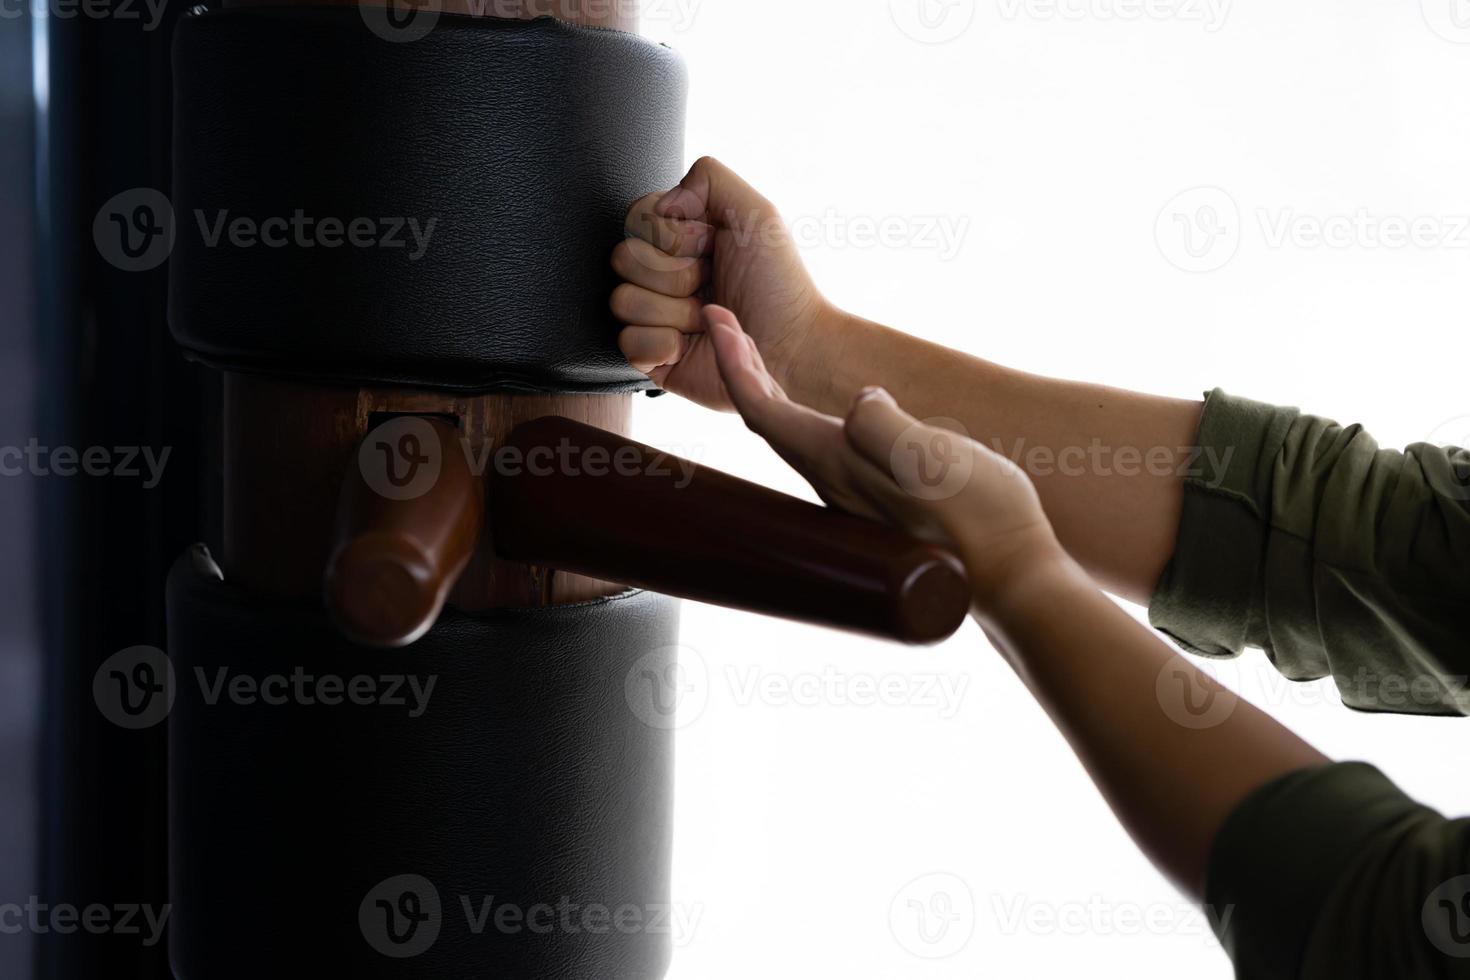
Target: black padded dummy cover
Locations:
point(524, 142)
point(531, 782)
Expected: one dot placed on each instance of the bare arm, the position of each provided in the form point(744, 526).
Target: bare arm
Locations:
point(1127, 704)
point(1106, 462)
point(1171, 751)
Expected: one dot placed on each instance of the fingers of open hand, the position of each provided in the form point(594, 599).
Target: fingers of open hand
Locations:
point(937, 481)
point(640, 263)
point(812, 443)
point(874, 424)
point(932, 461)
point(757, 396)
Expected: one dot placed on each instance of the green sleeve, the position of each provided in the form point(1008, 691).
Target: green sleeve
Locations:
point(1303, 538)
point(1333, 873)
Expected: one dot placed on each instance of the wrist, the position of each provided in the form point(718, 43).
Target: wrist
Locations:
point(827, 364)
point(1024, 579)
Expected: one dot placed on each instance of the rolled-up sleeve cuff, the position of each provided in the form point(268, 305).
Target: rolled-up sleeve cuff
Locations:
point(1208, 598)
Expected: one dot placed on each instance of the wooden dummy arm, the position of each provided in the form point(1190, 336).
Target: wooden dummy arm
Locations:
point(573, 497)
point(576, 497)
point(399, 549)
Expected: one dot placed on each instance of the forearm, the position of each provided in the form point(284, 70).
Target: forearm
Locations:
point(1104, 679)
point(1107, 463)
point(1119, 697)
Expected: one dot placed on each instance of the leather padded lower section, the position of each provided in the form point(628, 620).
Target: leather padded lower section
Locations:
point(522, 142)
point(530, 799)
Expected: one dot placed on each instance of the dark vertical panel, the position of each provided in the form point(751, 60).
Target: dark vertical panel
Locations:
point(111, 379)
point(20, 664)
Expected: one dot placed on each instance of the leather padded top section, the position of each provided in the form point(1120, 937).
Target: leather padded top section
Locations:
point(437, 212)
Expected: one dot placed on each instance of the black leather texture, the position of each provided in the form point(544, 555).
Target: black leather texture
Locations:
point(530, 797)
point(523, 142)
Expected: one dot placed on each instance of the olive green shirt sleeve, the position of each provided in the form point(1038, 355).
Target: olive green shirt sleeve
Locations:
point(1332, 873)
point(1303, 538)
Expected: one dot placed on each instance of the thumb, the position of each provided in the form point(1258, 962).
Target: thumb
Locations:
point(713, 193)
point(752, 390)
point(929, 462)
point(874, 426)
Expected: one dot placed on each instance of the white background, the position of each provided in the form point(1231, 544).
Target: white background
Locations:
point(1058, 139)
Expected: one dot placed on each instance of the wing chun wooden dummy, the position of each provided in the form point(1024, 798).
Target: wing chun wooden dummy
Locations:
point(426, 477)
